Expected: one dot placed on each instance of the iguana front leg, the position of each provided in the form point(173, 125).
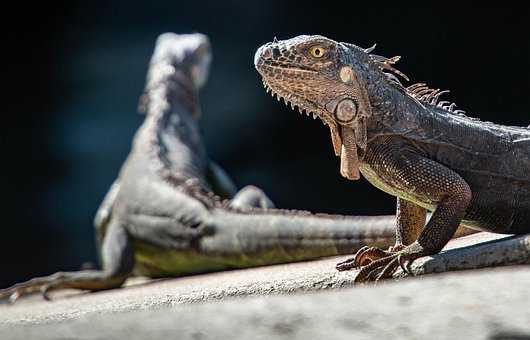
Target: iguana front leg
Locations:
point(251, 197)
point(410, 220)
point(422, 180)
point(248, 197)
point(220, 181)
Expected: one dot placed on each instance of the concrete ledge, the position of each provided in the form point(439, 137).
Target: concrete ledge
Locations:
point(475, 251)
point(480, 304)
point(74, 309)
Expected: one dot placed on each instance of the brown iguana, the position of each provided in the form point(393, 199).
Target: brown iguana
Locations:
point(164, 215)
point(406, 142)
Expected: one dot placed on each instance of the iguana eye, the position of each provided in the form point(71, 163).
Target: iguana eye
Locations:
point(317, 51)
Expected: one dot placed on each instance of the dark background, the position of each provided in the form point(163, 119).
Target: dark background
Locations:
point(73, 74)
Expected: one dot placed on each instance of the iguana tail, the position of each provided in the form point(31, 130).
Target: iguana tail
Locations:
point(268, 237)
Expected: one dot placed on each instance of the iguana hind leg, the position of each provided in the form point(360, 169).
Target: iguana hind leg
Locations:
point(117, 255)
point(103, 217)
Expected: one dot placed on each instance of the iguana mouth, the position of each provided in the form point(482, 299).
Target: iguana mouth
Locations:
point(296, 102)
point(288, 67)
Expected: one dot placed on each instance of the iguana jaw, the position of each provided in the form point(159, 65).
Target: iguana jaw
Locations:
point(296, 102)
point(342, 136)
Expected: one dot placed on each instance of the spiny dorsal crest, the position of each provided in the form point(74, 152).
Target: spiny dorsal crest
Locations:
point(418, 91)
point(423, 93)
point(385, 64)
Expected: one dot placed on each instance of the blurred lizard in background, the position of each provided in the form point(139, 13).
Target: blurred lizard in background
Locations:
point(406, 142)
point(172, 211)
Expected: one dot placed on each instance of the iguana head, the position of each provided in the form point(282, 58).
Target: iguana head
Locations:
point(183, 59)
point(325, 79)
point(190, 53)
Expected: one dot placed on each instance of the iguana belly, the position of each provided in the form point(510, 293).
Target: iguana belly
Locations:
point(496, 218)
point(372, 177)
point(155, 262)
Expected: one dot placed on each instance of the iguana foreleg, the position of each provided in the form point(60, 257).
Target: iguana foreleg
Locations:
point(220, 181)
point(248, 197)
point(251, 197)
point(423, 180)
point(410, 220)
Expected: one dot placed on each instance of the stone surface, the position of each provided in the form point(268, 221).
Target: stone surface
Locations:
point(468, 305)
point(471, 304)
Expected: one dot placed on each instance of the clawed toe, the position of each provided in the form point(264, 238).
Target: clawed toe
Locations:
point(376, 264)
point(405, 265)
point(363, 257)
point(385, 267)
point(389, 269)
point(377, 270)
point(13, 297)
point(14, 293)
point(346, 265)
point(45, 292)
point(368, 255)
point(37, 285)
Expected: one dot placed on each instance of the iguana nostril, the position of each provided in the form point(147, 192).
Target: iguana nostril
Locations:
point(263, 53)
point(266, 53)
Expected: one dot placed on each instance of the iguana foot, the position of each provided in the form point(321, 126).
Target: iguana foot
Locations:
point(377, 264)
point(40, 284)
point(366, 255)
point(89, 280)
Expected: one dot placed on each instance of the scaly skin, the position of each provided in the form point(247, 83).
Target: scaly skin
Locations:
point(406, 142)
point(165, 215)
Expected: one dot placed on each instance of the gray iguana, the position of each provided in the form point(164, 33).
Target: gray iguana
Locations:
point(167, 214)
point(406, 142)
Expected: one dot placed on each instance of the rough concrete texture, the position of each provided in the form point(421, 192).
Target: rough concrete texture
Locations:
point(480, 250)
point(479, 304)
point(470, 305)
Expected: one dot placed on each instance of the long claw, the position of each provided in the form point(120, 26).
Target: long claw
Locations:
point(346, 265)
point(367, 255)
point(44, 291)
point(365, 271)
point(377, 264)
point(14, 297)
point(389, 269)
point(352, 262)
point(396, 248)
point(363, 257)
point(361, 250)
point(373, 275)
point(402, 265)
point(406, 264)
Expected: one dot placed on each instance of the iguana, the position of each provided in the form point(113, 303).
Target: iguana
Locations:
point(167, 213)
point(406, 142)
